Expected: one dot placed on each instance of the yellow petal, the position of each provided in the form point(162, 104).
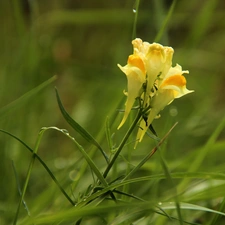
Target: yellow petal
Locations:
point(158, 62)
point(140, 47)
point(141, 131)
point(168, 51)
point(175, 70)
point(135, 60)
point(144, 125)
point(135, 80)
point(176, 80)
point(161, 99)
point(176, 83)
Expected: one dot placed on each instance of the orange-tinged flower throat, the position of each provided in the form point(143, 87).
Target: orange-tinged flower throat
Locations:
point(177, 80)
point(135, 60)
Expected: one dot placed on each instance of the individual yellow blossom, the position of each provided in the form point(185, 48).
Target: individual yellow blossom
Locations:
point(172, 86)
point(158, 62)
point(135, 72)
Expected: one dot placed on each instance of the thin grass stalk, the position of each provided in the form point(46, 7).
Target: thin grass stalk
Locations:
point(43, 164)
point(169, 178)
point(85, 155)
point(202, 153)
point(165, 22)
point(28, 174)
point(146, 158)
point(135, 11)
point(216, 217)
point(123, 142)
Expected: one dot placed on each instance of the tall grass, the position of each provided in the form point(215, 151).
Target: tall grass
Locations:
point(56, 149)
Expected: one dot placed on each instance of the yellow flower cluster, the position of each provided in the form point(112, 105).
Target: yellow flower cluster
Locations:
point(152, 78)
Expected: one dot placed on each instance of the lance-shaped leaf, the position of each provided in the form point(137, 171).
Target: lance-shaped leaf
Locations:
point(85, 134)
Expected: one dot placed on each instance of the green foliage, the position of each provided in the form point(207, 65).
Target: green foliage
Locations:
point(83, 170)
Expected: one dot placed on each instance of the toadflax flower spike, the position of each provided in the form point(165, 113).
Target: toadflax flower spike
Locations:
point(151, 77)
point(135, 72)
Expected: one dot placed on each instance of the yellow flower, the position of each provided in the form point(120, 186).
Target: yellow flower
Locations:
point(172, 86)
point(148, 63)
point(135, 72)
point(157, 60)
point(151, 77)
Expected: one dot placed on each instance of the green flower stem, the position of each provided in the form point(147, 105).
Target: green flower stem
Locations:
point(28, 174)
point(123, 142)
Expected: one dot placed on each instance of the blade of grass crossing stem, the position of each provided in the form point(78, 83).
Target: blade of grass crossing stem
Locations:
point(180, 175)
point(166, 21)
point(78, 128)
point(43, 164)
point(146, 158)
point(21, 100)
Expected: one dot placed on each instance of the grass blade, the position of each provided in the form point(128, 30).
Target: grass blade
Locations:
point(86, 135)
point(43, 164)
point(18, 102)
point(171, 182)
point(166, 21)
point(85, 155)
point(202, 153)
point(19, 188)
point(143, 161)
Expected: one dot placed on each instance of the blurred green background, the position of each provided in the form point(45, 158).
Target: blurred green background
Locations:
point(81, 42)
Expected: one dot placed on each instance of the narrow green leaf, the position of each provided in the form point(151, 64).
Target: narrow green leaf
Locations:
point(203, 22)
point(43, 164)
point(19, 188)
point(24, 98)
point(183, 205)
point(123, 142)
point(86, 156)
point(178, 175)
point(202, 153)
point(147, 157)
point(108, 134)
point(166, 21)
point(141, 207)
point(169, 178)
point(85, 134)
point(217, 216)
